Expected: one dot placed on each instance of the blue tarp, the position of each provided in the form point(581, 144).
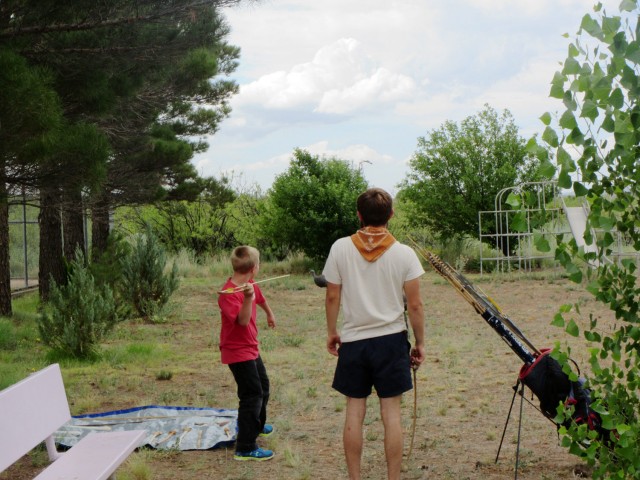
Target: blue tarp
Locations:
point(180, 428)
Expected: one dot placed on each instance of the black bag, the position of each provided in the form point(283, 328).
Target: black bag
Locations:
point(552, 386)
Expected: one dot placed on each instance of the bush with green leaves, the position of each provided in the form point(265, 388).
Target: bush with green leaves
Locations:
point(8, 337)
point(199, 223)
point(243, 219)
point(79, 314)
point(144, 281)
point(459, 168)
point(595, 141)
point(311, 205)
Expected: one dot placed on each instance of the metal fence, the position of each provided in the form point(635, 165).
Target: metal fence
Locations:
point(24, 241)
point(519, 251)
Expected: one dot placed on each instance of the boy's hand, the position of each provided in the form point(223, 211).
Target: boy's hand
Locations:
point(247, 290)
point(271, 321)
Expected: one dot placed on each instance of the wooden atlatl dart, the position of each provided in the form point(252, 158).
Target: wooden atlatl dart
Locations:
point(240, 287)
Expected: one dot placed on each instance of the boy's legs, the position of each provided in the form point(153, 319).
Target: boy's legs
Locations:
point(352, 435)
point(264, 382)
point(250, 396)
point(392, 420)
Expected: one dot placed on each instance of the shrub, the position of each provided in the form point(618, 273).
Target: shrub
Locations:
point(106, 269)
point(473, 265)
point(79, 314)
point(8, 338)
point(310, 206)
point(144, 282)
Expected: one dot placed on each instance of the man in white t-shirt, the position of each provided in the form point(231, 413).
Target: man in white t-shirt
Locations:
point(368, 273)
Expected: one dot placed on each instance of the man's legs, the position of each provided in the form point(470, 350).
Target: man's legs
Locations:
point(393, 443)
point(352, 435)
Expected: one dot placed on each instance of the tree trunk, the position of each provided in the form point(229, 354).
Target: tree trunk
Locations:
point(5, 271)
point(51, 259)
point(73, 225)
point(100, 224)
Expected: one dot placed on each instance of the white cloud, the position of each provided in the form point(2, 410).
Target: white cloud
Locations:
point(362, 79)
point(274, 35)
point(279, 162)
point(357, 153)
point(539, 7)
point(380, 88)
point(341, 79)
point(381, 169)
point(526, 94)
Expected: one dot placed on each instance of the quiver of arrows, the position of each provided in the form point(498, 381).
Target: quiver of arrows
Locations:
point(486, 307)
point(541, 373)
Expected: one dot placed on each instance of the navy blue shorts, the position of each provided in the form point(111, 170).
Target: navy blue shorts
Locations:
point(380, 362)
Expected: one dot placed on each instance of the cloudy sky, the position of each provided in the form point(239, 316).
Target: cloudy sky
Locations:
point(363, 79)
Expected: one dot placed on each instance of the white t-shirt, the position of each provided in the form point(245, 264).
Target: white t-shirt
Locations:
point(371, 299)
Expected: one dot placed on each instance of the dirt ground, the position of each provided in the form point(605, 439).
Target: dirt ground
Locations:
point(464, 389)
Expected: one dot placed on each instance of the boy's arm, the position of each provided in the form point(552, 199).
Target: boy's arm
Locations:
point(244, 316)
point(271, 319)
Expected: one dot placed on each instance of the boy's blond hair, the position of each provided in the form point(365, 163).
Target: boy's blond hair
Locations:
point(244, 258)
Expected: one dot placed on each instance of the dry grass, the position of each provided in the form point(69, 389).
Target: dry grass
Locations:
point(464, 388)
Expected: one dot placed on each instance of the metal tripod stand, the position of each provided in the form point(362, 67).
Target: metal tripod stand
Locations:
point(519, 386)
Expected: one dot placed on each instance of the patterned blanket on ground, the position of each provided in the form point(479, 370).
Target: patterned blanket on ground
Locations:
point(178, 428)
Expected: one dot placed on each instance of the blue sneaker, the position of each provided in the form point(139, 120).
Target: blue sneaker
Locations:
point(258, 455)
point(267, 430)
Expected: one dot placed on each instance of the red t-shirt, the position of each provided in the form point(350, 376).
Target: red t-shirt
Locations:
point(238, 343)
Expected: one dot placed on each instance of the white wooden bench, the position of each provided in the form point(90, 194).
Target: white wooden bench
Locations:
point(33, 409)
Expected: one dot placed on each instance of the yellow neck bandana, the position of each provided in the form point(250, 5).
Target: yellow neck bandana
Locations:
point(372, 242)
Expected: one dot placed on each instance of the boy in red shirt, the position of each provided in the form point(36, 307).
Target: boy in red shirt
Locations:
point(239, 350)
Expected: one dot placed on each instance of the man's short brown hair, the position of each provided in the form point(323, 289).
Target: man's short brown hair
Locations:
point(375, 206)
point(244, 258)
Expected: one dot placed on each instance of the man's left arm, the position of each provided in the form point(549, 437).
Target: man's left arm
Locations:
point(415, 310)
point(332, 310)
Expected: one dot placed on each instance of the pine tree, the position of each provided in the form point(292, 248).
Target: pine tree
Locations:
point(144, 73)
point(79, 314)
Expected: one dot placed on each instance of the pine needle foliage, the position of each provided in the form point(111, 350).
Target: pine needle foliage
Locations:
point(106, 269)
point(79, 314)
point(144, 281)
